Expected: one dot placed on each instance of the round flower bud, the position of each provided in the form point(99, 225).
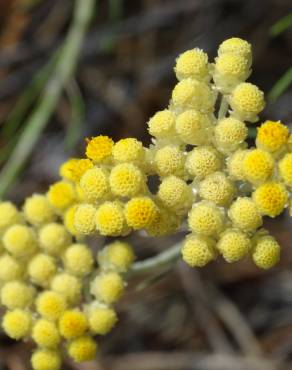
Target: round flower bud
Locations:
point(285, 169)
point(117, 256)
point(78, 260)
point(45, 333)
point(9, 215)
point(82, 349)
point(54, 238)
point(198, 251)
point(193, 94)
point(37, 210)
point(217, 188)
point(94, 184)
point(270, 198)
point(10, 268)
point(140, 212)
point(266, 252)
point(234, 165)
point(17, 323)
point(99, 148)
point(107, 287)
point(101, 320)
point(237, 46)
point(20, 240)
point(46, 359)
point(68, 286)
point(50, 305)
point(169, 161)
point(126, 180)
point(72, 324)
point(41, 269)
point(161, 125)
point(84, 219)
point(234, 245)
point(206, 218)
point(230, 133)
point(128, 150)
point(193, 127)
point(244, 214)
point(110, 219)
point(66, 169)
point(272, 136)
point(202, 161)
point(192, 63)
point(16, 294)
point(69, 220)
point(165, 223)
point(78, 168)
point(61, 195)
point(257, 166)
point(247, 101)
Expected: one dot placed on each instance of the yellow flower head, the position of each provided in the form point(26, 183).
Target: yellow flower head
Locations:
point(82, 349)
point(247, 101)
point(237, 46)
point(217, 188)
point(74, 168)
point(127, 180)
point(140, 212)
point(193, 127)
point(45, 333)
point(9, 215)
point(37, 210)
point(234, 165)
point(61, 195)
point(244, 214)
point(110, 219)
point(65, 170)
point(206, 218)
point(41, 269)
point(16, 294)
point(202, 161)
point(193, 94)
point(84, 219)
point(107, 287)
point(101, 320)
point(266, 252)
point(10, 268)
point(69, 220)
point(198, 251)
point(169, 161)
point(20, 240)
point(258, 166)
point(117, 256)
point(128, 150)
point(272, 136)
point(95, 185)
point(72, 324)
point(99, 148)
point(78, 260)
point(68, 286)
point(229, 134)
point(46, 359)
point(270, 198)
point(161, 125)
point(166, 222)
point(17, 323)
point(285, 169)
point(175, 194)
point(192, 63)
point(50, 305)
point(54, 238)
point(234, 245)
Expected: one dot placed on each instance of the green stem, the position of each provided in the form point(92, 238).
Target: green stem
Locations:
point(223, 108)
point(39, 118)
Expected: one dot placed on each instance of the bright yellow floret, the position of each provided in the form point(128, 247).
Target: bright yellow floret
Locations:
point(110, 219)
point(65, 170)
point(68, 286)
point(79, 167)
point(230, 133)
point(45, 333)
point(9, 215)
point(285, 169)
point(272, 136)
point(126, 180)
point(234, 245)
point(54, 238)
point(99, 148)
point(20, 240)
point(17, 323)
point(237, 46)
point(206, 218)
point(117, 256)
point(217, 188)
point(197, 251)
point(258, 166)
point(166, 222)
point(107, 287)
point(140, 212)
point(10, 268)
point(101, 319)
point(84, 219)
point(50, 305)
point(41, 269)
point(37, 210)
point(169, 161)
point(46, 359)
point(270, 198)
point(78, 260)
point(192, 63)
point(266, 252)
point(245, 215)
point(202, 161)
point(95, 185)
point(61, 195)
point(161, 125)
point(82, 349)
point(234, 164)
point(69, 220)
point(72, 324)
point(16, 294)
point(128, 150)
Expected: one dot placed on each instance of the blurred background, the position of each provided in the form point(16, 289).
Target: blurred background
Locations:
point(69, 71)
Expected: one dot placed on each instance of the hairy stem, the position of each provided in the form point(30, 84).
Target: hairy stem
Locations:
point(223, 107)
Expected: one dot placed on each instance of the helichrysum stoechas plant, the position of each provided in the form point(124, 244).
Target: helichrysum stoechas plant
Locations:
point(208, 176)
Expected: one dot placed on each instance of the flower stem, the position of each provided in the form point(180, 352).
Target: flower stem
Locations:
point(223, 108)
